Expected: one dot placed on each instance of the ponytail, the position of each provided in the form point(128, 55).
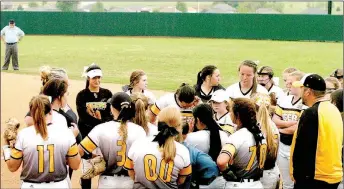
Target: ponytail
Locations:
point(255, 85)
point(140, 115)
point(127, 113)
point(245, 110)
point(165, 139)
point(266, 127)
point(205, 114)
point(39, 108)
point(199, 81)
point(202, 75)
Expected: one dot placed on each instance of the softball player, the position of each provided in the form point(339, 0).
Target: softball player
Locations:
point(209, 138)
point(271, 173)
point(184, 98)
point(286, 117)
point(44, 154)
point(92, 108)
point(114, 139)
point(220, 104)
point(141, 106)
point(160, 162)
point(247, 86)
point(208, 81)
point(138, 83)
point(245, 151)
point(285, 75)
point(265, 79)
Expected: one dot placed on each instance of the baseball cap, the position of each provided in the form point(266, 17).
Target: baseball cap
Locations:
point(11, 21)
point(219, 96)
point(94, 73)
point(120, 100)
point(312, 81)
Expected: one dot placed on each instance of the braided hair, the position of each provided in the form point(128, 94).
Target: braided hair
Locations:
point(245, 110)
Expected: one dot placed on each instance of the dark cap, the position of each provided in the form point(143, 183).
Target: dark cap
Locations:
point(120, 100)
point(11, 21)
point(312, 81)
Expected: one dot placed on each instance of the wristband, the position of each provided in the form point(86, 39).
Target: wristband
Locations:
point(7, 152)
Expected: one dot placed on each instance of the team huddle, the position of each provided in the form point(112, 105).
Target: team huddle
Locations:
point(252, 134)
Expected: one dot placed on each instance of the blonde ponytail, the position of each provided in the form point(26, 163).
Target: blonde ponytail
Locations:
point(39, 107)
point(266, 127)
point(169, 150)
point(141, 105)
point(123, 130)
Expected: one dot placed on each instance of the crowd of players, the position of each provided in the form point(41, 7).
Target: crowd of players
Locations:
point(201, 136)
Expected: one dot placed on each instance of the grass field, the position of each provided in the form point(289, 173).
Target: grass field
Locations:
point(171, 61)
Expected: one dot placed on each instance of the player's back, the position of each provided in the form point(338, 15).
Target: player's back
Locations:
point(152, 171)
point(106, 136)
point(201, 140)
point(245, 161)
point(45, 160)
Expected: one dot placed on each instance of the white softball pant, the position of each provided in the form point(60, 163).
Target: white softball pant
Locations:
point(221, 183)
point(283, 161)
point(270, 178)
point(115, 182)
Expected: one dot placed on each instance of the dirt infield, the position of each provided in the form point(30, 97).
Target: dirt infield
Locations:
point(16, 92)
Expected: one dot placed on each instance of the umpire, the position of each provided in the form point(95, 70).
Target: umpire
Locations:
point(316, 158)
point(11, 35)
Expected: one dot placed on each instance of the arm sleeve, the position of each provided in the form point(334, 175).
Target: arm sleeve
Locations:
point(234, 143)
point(187, 170)
point(73, 147)
point(17, 151)
point(21, 33)
point(3, 31)
point(278, 111)
point(129, 164)
point(158, 105)
point(91, 141)
point(304, 150)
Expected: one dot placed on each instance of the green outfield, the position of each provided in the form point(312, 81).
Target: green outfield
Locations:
point(171, 61)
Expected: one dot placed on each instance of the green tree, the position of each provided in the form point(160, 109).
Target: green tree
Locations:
point(67, 6)
point(20, 8)
point(98, 7)
point(33, 4)
point(44, 2)
point(181, 6)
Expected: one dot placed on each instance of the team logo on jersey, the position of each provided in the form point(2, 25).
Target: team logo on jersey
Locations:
point(97, 105)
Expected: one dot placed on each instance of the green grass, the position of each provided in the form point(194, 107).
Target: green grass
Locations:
point(171, 61)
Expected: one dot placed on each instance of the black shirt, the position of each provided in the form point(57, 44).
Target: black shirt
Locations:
point(99, 102)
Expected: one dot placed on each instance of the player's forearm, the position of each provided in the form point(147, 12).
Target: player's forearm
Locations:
point(131, 173)
point(290, 130)
point(279, 123)
point(13, 164)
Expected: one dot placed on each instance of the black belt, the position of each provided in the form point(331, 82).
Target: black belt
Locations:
point(37, 182)
point(11, 43)
point(123, 172)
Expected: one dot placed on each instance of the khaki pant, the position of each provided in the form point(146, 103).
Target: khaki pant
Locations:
point(11, 51)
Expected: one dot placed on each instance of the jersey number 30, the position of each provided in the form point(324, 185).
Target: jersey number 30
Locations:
point(40, 149)
point(165, 172)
